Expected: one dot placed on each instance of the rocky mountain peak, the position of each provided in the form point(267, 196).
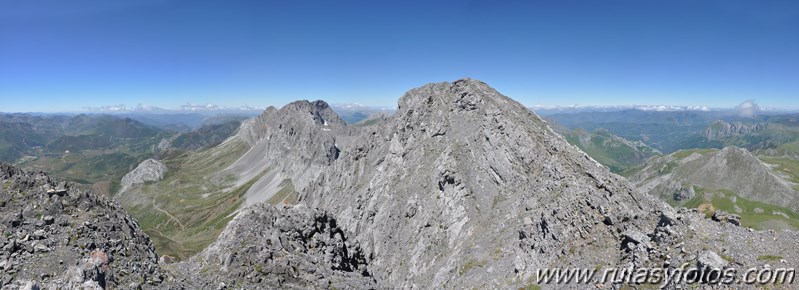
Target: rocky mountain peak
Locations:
point(461, 95)
point(301, 122)
point(319, 111)
point(462, 187)
point(297, 115)
point(461, 168)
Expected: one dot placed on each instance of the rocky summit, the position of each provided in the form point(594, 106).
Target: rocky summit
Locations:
point(464, 187)
point(461, 188)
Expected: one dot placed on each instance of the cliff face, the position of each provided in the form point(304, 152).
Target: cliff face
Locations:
point(293, 144)
point(721, 129)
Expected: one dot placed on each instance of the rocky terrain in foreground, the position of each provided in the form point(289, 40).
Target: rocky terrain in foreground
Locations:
point(461, 188)
point(268, 247)
point(55, 236)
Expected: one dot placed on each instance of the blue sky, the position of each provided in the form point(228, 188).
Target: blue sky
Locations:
point(60, 55)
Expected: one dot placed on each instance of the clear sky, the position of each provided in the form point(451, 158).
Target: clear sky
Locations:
point(58, 55)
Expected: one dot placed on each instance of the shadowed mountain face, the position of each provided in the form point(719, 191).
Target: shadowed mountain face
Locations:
point(204, 137)
point(462, 187)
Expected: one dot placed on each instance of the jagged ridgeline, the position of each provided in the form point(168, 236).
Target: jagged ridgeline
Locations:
point(461, 188)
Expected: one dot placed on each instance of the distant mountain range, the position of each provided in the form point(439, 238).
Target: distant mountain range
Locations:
point(669, 131)
point(96, 150)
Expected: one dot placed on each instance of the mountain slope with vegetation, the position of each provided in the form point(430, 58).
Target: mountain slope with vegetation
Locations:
point(618, 154)
point(730, 179)
point(264, 161)
point(93, 150)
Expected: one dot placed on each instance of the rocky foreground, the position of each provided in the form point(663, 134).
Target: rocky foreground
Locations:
point(57, 236)
point(269, 247)
point(461, 188)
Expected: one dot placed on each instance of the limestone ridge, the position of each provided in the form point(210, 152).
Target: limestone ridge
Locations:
point(57, 235)
point(464, 187)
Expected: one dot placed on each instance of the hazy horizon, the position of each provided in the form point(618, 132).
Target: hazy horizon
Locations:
point(210, 108)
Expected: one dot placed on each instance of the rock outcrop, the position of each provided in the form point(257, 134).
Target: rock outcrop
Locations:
point(56, 236)
point(285, 248)
point(149, 170)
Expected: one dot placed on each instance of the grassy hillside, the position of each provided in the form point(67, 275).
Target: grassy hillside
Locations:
point(79, 143)
point(17, 138)
point(790, 147)
point(187, 210)
point(786, 166)
point(93, 150)
point(100, 168)
point(612, 151)
point(732, 180)
point(754, 214)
